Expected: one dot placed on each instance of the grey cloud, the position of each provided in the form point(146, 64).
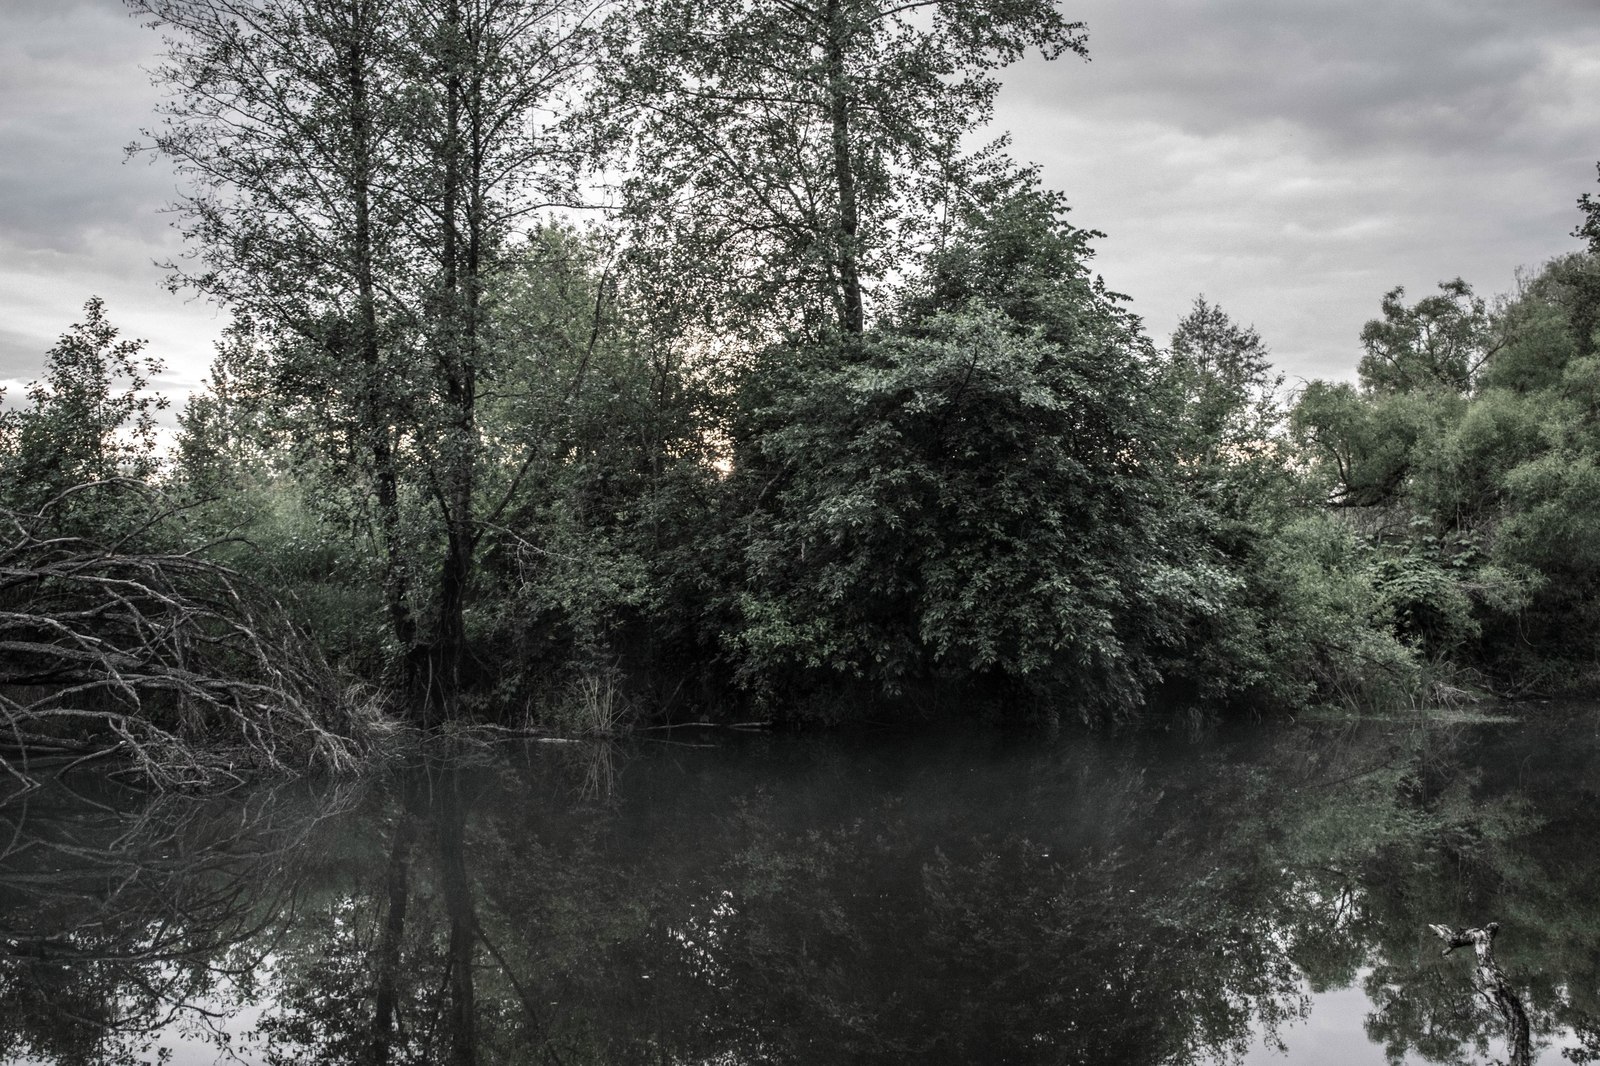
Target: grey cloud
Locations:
point(74, 218)
point(20, 359)
point(1295, 160)
point(75, 95)
point(1430, 74)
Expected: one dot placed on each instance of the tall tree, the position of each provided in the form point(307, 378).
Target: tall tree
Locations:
point(789, 153)
point(1589, 228)
point(92, 418)
point(1439, 343)
point(1227, 387)
point(982, 493)
point(358, 169)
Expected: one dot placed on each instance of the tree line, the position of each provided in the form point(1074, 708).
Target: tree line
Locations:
point(684, 356)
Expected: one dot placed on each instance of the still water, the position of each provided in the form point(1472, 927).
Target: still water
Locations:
point(1259, 894)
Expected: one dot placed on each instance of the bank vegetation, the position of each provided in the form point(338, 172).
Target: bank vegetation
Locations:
point(823, 416)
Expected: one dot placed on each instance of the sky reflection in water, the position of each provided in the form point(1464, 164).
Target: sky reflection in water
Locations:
point(1258, 894)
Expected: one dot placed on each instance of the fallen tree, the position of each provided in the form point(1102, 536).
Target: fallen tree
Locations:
point(164, 661)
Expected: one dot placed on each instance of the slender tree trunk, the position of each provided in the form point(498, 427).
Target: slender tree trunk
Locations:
point(458, 357)
point(375, 416)
point(851, 315)
point(1490, 982)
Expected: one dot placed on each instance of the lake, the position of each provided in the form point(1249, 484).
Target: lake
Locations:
point(1259, 893)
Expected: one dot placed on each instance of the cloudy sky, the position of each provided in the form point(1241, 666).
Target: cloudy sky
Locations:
point(1290, 159)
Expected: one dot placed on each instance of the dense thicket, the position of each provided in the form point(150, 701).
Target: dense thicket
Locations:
point(121, 635)
point(1464, 456)
point(828, 412)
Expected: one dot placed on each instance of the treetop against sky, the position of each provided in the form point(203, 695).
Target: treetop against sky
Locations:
point(1292, 162)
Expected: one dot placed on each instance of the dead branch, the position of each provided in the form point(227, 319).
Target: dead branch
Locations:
point(168, 661)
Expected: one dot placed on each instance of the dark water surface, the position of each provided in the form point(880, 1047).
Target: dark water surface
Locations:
point(1260, 893)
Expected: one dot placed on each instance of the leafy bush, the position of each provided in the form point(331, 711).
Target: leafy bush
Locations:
point(978, 491)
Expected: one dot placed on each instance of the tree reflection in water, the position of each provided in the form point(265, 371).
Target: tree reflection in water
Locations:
point(121, 914)
point(973, 898)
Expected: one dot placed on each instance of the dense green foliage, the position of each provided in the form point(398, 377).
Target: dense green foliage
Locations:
point(91, 420)
point(828, 412)
point(1465, 456)
point(976, 490)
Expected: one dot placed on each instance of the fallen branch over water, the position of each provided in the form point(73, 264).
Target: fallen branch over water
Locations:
point(164, 661)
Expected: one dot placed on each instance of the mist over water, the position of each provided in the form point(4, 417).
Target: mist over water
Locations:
point(1259, 895)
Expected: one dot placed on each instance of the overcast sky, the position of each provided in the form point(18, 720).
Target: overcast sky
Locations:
point(1290, 159)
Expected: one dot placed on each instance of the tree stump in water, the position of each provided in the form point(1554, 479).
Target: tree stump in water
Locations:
point(1490, 982)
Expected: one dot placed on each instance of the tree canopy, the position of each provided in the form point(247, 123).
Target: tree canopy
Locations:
point(691, 354)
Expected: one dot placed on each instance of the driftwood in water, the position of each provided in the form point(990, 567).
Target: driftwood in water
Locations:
point(1490, 982)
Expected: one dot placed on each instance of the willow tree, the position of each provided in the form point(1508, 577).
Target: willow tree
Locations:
point(358, 171)
point(791, 154)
